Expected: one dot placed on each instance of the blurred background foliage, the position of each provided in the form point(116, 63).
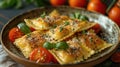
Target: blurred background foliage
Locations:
point(18, 4)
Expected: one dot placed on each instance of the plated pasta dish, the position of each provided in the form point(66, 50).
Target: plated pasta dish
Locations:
point(58, 39)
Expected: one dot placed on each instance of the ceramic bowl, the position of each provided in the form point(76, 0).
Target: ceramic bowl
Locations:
point(110, 32)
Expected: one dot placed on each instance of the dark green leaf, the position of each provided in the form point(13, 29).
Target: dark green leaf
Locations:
point(83, 18)
point(24, 28)
point(48, 45)
point(62, 45)
point(77, 15)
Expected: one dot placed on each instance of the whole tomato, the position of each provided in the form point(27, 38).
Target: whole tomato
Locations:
point(97, 6)
point(114, 14)
point(78, 3)
point(57, 2)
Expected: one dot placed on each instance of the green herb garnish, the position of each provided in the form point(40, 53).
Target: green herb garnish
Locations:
point(77, 15)
point(83, 18)
point(61, 28)
point(62, 45)
point(24, 28)
point(43, 15)
point(48, 45)
point(66, 23)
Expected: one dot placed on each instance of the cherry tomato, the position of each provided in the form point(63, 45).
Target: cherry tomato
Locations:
point(97, 6)
point(57, 2)
point(41, 55)
point(96, 28)
point(15, 33)
point(116, 57)
point(114, 14)
point(78, 3)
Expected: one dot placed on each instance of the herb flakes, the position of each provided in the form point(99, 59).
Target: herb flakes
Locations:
point(66, 23)
point(61, 28)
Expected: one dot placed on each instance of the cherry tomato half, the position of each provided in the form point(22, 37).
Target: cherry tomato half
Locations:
point(41, 55)
point(15, 33)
